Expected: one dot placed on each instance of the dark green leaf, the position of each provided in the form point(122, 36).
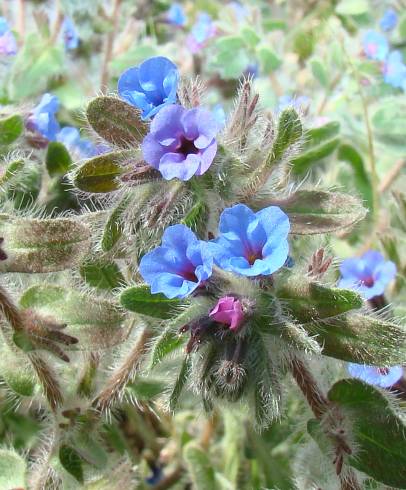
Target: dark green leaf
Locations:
point(57, 160)
point(146, 388)
point(71, 462)
point(289, 132)
point(99, 174)
point(10, 129)
point(378, 433)
point(362, 182)
point(102, 275)
point(305, 160)
point(116, 121)
point(313, 212)
point(140, 300)
point(322, 134)
point(113, 229)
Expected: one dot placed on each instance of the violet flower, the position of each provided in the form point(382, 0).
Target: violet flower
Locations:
point(228, 311)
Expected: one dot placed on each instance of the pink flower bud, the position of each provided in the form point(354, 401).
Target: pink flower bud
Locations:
point(228, 310)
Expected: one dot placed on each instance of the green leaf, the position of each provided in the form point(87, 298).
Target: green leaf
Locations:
point(99, 174)
point(146, 388)
point(116, 121)
point(11, 171)
point(25, 188)
point(268, 59)
point(314, 212)
point(308, 300)
point(96, 322)
point(180, 383)
point(57, 160)
point(196, 218)
point(102, 275)
point(360, 338)
point(388, 120)
point(200, 468)
point(229, 43)
point(316, 136)
point(274, 24)
point(71, 462)
point(140, 300)
point(90, 450)
point(289, 132)
point(42, 245)
point(114, 226)
point(12, 470)
point(362, 182)
point(11, 128)
point(304, 161)
point(250, 36)
point(352, 7)
point(378, 433)
point(319, 72)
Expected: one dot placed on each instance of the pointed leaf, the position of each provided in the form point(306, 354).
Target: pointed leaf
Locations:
point(305, 160)
point(114, 227)
point(140, 300)
point(10, 129)
point(180, 383)
point(289, 132)
point(57, 160)
point(116, 121)
point(71, 462)
point(102, 274)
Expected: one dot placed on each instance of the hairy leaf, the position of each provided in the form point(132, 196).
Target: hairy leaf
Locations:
point(57, 160)
point(12, 470)
point(200, 467)
point(289, 132)
point(35, 245)
point(116, 121)
point(180, 383)
point(99, 174)
point(140, 300)
point(314, 212)
point(102, 274)
point(71, 462)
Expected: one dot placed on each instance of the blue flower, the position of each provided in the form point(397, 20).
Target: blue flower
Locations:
point(181, 142)
point(8, 43)
point(219, 115)
point(201, 32)
point(176, 15)
point(251, 244)
point(42, 120)
point(383, 377)
point(389, 20)
point(375, 45)
point(299, 103)
point(69, 33)
point(394, 71)
point(70, 137)
point(368, 274)
point(179, 266)
point(150, 86)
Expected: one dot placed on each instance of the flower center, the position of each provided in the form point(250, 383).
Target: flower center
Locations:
point(368, 281)
point(190, 275)
point(252, 257)
point(186, 147)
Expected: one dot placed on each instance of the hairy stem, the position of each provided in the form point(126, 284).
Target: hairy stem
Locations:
point(105, 74)
point(10, 311)
point(47, 378)
point(116, 384)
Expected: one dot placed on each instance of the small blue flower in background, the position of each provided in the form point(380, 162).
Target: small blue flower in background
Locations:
point(179, 266)
point(176, 15)
point(368, 274)
point(8, 43)
point(201, 32)
point(219, 115)
point(156, 475)
point(42, 119)
point(394, 71)
point(71, 138)
point(150, 86)
point(70, 34)
point(383, 377)
point(239, 10)
point(181, 142)
point(389, 20)
point(299, 103)
point(376, 46)
point(251, 244)
point(252, 70)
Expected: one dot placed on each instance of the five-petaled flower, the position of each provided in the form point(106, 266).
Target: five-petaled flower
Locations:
point(179, 266)
point(376, 46)
point(251, 244)
point(181, 142)
point(8, 43)
point(368, 274)
point(383, 377)
point(42, 119)
point(150, 86)
point(228, 311)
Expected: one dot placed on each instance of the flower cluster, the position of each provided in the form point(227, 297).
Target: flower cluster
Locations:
point(42, 121)
point(181, 142)
point(376, 47)
point(368, 274)
point(250, 244)
point(8, 44)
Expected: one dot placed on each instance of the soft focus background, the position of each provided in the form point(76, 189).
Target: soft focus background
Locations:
point(340, 63)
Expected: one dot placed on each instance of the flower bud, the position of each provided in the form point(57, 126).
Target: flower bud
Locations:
point(228, 311)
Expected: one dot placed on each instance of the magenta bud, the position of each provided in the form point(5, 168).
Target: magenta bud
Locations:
point(228, 311)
